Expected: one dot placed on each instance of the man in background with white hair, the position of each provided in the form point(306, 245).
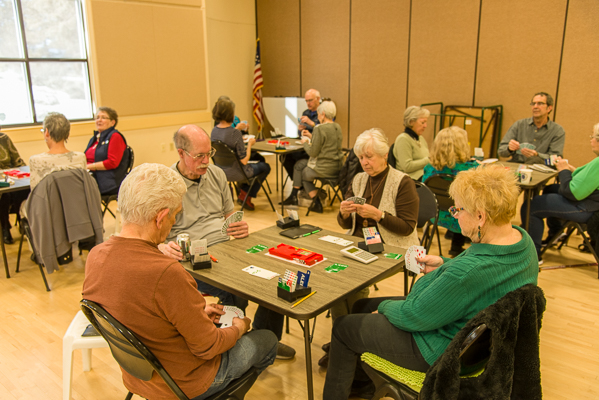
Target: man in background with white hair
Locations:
point(157, 299)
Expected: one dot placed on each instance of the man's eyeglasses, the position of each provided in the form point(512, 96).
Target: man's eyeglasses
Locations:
point(101, 117)
point(454, 211)
point(537, 103)
point(201, 156)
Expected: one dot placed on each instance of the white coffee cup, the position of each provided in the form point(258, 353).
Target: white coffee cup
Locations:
point(525, 176)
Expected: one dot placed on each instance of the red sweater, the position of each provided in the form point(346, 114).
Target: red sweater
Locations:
point(157, 299)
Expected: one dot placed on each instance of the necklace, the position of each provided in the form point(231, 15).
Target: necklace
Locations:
point(372, 194)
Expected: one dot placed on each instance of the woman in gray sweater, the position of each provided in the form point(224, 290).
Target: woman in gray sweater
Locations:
point(323, 146)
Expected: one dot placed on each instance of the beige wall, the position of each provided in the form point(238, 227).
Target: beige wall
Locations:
point(158, 85)
point(475, 53)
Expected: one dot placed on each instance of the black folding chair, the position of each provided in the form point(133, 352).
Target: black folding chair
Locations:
point(135, 358)
point(107, 199)
point(428, 210)
point(226, 158)
point(439, 185)
point(333, 183)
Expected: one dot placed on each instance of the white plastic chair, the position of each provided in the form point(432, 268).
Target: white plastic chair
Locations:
point(72, 340)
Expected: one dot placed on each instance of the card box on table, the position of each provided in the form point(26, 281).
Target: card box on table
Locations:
point(201, 265)
point(300, 291)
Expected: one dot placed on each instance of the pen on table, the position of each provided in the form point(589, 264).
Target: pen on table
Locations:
point(295, 304)
point(213, 258)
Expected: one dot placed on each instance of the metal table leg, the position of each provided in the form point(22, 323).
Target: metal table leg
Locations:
point(308, 360)
point(282, 159)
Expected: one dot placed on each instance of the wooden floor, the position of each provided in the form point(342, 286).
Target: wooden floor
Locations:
point(33, 322)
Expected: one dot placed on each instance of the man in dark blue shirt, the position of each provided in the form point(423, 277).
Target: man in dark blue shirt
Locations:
point(308, 121)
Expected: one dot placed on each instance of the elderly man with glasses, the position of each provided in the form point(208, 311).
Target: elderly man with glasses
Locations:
point(537, 136)
point(206, 205)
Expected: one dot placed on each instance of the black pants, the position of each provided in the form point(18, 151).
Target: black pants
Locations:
point(11, 203)
point(361, 332)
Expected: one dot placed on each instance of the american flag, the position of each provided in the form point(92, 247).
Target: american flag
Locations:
point(257, 92)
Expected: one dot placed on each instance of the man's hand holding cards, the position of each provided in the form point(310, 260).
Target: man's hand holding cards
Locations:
point(234, 226)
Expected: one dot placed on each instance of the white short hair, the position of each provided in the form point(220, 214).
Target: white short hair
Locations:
point(414, 113)
point(374, 140)
point(328, 109)
point(596, 130)
point(147, 190)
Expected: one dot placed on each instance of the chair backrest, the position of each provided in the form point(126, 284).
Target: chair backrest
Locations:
point(428, 208)
point(226, 158)
point(439, 185)
point(391, 157)
point(475, 350)
point(131, 354)
point(131, 160)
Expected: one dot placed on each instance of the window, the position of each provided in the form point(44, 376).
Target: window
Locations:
point(43, 61)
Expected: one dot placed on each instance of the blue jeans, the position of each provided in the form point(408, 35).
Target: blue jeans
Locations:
point(255, 349)
point(261, 169)
point(263, 319)
point(555, 208)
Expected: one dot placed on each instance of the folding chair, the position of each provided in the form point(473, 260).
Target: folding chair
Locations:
point(439, 185)
point(333, 183)
point(428, 210)
point(226, 158)
point(107, 199)
point(570, 227)
point(135, 358)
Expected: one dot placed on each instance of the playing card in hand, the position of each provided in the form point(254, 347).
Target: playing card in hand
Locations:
point(235, 217)
point(357, 200)
point(411, 254)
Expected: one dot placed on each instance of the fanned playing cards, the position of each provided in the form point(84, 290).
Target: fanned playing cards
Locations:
point(411, 254)
point(231, 312)
point(237, 216)
point(357, 200)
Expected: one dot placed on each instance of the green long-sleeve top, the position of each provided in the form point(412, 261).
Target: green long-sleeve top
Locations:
point(585, 180)
point(444, 300)
point(411, 155)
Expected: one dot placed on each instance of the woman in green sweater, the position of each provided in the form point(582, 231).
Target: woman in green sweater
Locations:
point(575, 198)
point(410, 149)
point(414, 331)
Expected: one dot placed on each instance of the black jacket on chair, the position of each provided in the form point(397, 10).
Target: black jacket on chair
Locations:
point(514, 367)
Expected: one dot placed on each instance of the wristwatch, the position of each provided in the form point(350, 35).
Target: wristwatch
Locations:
point(382, 216)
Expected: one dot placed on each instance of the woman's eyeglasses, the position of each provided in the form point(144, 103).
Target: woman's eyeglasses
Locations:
point(454, 211)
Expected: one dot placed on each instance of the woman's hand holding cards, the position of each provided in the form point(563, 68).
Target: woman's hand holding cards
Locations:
point(431, 263)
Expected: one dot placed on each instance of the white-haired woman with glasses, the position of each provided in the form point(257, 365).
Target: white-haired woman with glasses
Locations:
point(391, 205)
point(575, 198)
point(413, 331)
point(106, 152)
point(410, 149)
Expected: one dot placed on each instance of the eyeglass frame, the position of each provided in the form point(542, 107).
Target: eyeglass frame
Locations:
point(201, 156)
point(454, 211)
point(539, 103)
point(596, 137)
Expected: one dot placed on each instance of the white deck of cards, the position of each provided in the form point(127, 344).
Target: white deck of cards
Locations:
point(260, 272)
point(336, 240)
point(237, 216)
point(231, 312)
point(411, 263)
